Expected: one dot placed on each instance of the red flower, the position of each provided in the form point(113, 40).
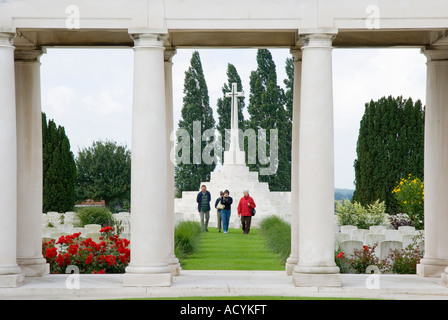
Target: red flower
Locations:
point(365, 248)
point(340, 255)
point(73, 249)
point(60, 260)
point(99, 272)
point(51, 252)
point(111, 260)
point(107, 229)
point(89, 259)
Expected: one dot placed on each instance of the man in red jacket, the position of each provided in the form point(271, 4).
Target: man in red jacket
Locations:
point(245, 207)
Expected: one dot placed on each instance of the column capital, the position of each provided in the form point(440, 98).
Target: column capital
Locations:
point(169, 54)
point(436, 53)
point(296, 54)
point(148, 40)
point(7, 39)
point(28, 54)
point(317, 38)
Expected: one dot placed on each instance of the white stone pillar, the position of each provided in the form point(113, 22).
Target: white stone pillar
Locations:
point(10, 272)
point(29, 163)
point(291, 262)
point(436, 165)
point(173, 261)
point(149, 219)
point(316, 266)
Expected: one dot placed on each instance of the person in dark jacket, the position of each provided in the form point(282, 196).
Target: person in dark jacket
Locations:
point(218, 211)
point(227, 201)
point(203, 199)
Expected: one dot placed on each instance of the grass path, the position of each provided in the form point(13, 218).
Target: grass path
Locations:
point(232, 251)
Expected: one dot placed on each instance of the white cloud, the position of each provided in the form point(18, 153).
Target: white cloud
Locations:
point(105, 102)
point(58, 99)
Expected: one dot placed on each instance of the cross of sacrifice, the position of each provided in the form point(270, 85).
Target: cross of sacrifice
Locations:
point(234, 95)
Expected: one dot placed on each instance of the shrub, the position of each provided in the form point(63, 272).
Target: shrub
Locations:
point(277, 234)
point(186, 238)
point(363, 217)
point(405, 261)
point(410, 195)
point(111, 255)
point(400, 219)
point(94, 215)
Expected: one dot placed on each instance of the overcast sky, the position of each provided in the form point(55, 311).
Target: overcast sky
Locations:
point(89, 91)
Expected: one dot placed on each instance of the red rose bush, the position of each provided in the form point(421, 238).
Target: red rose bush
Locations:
point(111, 255)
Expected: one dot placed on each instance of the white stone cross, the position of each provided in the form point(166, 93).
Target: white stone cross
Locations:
point(234, 141)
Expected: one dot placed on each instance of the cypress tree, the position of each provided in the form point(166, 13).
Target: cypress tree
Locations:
point(267, 111)
point(196, 107)
point(224, 105)
point(390, 147)
point(59, 169)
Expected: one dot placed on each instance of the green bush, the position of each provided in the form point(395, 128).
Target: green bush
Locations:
point(363, 217)
point(94, 215)
point(186, 238)
point(277, 234)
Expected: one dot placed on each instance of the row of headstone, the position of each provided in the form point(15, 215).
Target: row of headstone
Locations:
point(351, 238)
point(55, 225)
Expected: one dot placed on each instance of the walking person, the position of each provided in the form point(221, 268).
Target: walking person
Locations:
point(227, 201)
point(203, 199)
point(245, 207)
point(218, 207)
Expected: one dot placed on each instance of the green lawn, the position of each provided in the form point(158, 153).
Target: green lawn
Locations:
point(232, 251)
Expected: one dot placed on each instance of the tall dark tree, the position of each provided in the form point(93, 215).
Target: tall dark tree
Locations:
point(224, 105)
point(196, 108)
point(104, 172)
point(59, 169)
point(267, 111)
point(390, 147)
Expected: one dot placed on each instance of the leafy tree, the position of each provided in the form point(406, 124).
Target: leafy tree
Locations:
point(267, 111)
point(390, 147)
point(59, 168)
point(196, 108)
point(104, 172)
point(225, 104)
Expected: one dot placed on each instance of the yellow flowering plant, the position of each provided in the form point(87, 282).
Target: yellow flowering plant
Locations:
point(410, 195)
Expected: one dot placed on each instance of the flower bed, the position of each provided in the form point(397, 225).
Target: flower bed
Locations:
point(111, 255)
point(397, 261)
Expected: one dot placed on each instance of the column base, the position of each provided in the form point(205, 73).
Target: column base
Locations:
point(34, 267)
point(317, 280)
point(175, 268)
point(11, 277)
point(147, 280)
point(291, 263)
point(11, 280)
point(156, 276)
point(317, 277)
point(445, 277)
point(431, 267)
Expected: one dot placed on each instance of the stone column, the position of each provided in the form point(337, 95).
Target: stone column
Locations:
point(10, 272)
point(436, 165)
point(149, 219)
point(29, 163)
point(173, 261)
point(316, 266)
point(291, 262)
